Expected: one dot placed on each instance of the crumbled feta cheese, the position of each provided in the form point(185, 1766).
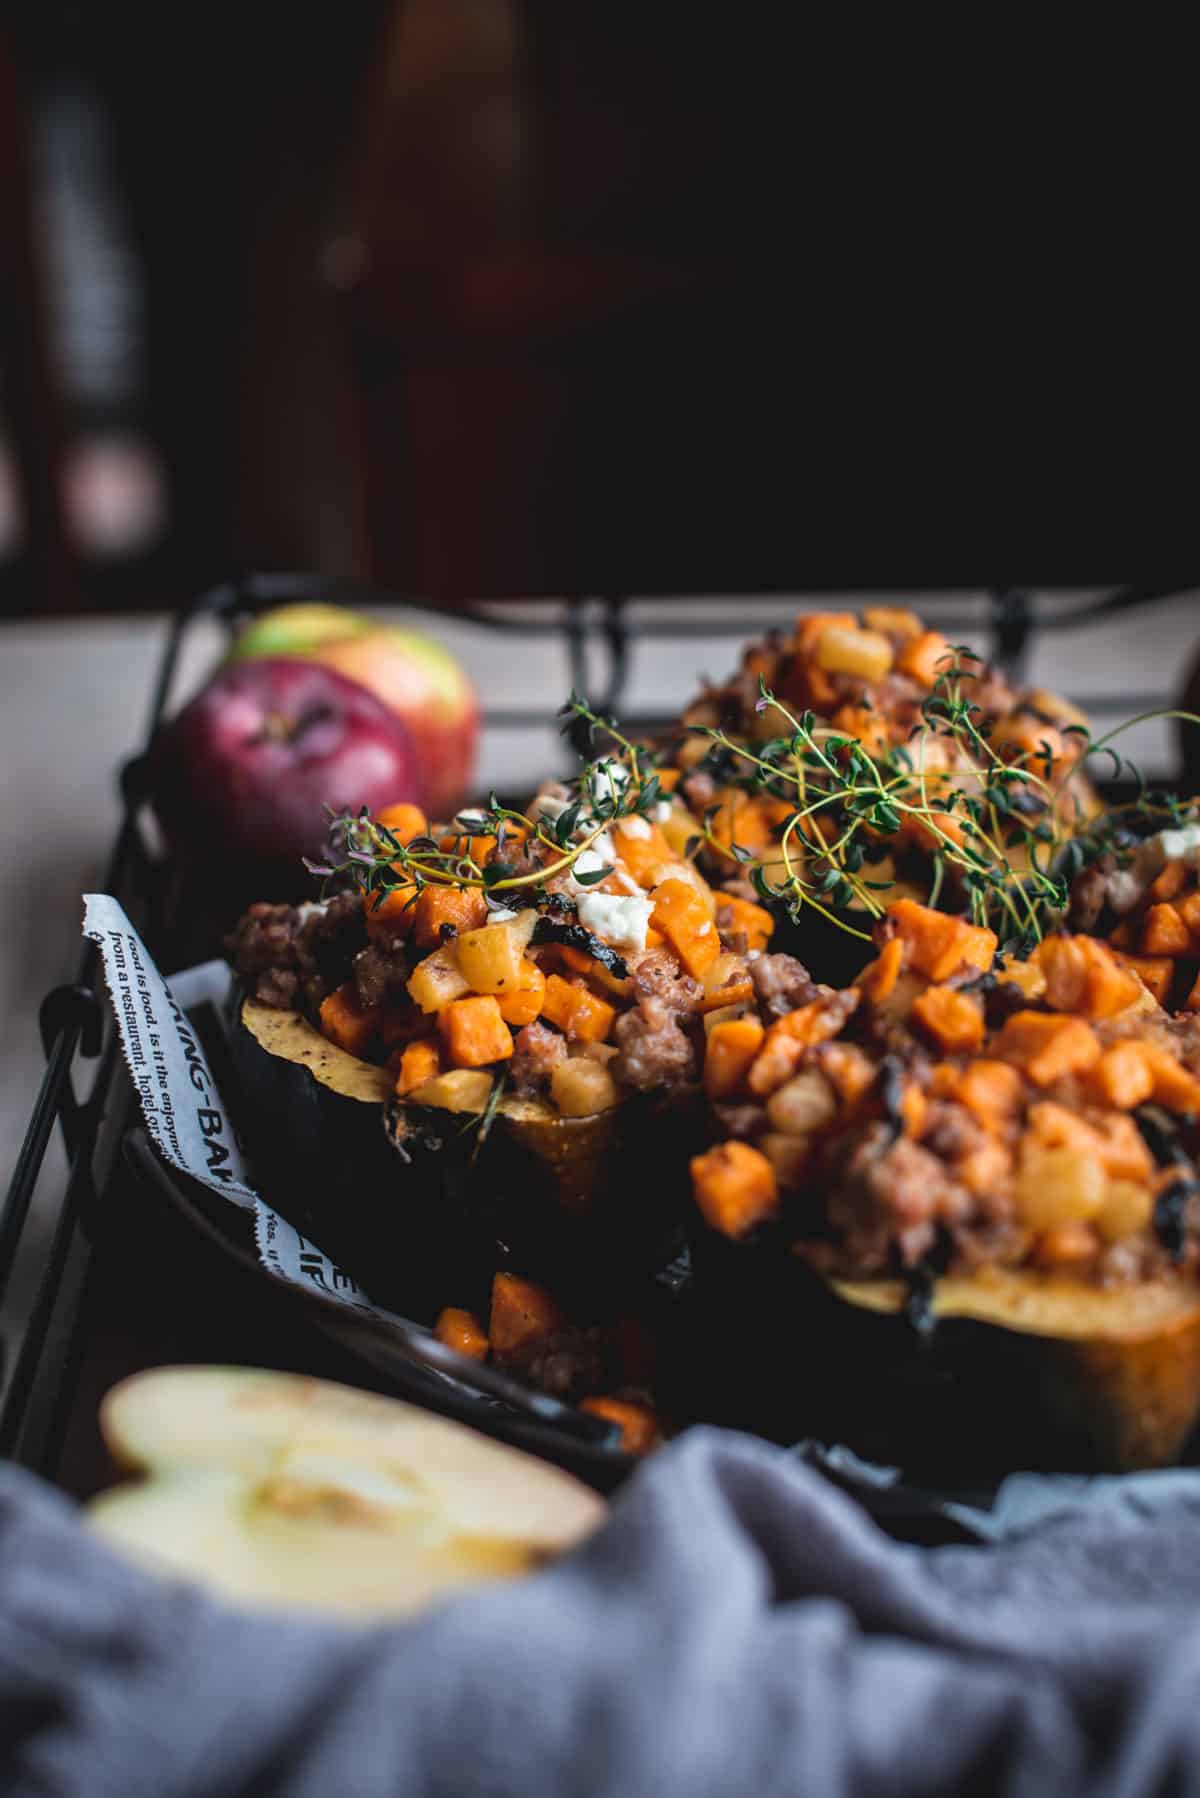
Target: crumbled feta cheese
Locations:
point(633, 827)
point(1181, 845)
point(548, 805)
point(662, 811)
point(501, 915)
point(1127, 886)
point(607, 778)
point(592, 861)
point(626, 881)
point(616, 919)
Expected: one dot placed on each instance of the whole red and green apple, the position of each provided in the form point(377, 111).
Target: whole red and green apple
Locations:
point(413, 674)
point(242, 776)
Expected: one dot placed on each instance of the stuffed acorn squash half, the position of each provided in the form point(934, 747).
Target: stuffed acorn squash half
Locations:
point(862, 759)
point(490, 1034)
point(956, 1214)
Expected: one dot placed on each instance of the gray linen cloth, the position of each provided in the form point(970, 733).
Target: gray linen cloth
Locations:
point(741, 1626)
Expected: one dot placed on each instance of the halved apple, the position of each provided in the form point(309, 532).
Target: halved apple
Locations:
point(277, 1489)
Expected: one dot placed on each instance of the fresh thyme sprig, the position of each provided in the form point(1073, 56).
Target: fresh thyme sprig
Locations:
point(523, 852)
point(973, 809)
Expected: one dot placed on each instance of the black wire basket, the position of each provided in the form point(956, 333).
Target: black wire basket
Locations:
point(122, 1279)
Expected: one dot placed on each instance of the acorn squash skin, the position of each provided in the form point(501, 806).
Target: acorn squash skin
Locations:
point(417, 1202)
point(996, 1385)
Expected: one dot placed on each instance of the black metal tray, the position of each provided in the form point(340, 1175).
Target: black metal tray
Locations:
point(121, 1279)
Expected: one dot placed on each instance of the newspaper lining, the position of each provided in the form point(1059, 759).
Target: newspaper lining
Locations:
point(182, 1108)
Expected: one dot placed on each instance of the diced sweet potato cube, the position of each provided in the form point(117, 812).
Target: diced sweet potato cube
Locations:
point(346, 1021)
point(934, 830)
point(734, 1187)
point(740, 992)
point(1189, 911)
point(986, 1168)
point(731, 1050)
point(1114, 1142)
point(1174, 1086)
point(1027, 741)
point(1084, 976)
point(522, 1313)
point(682, 916)
point(817, 1021)
point(1164, 932)
point(1168, 884)
point(878, 978)
point(639, 1425)
point(1123, 1076)
point(992, 1091)
point(523, 1002)
point(465, 908)
point(952, 1019)
point(1047, 1046)
point(391, 914)
point(1026, 976)
point(925, 657)
point(1055, 1126)
point(775, 1062)
point(462, 1331)
point(1155, 972)
point(1192, 1002)
point(1124, 1152)
point(578, 1012)
point(944, 1080)
point(641, 852)
point(1075, 1241)
point(866, 726)
point(789, 1038)
point(461, 843)
point(914, 1109)
point(404, 821)
point(939, 945)
point(580, 962)
point(669, 778)
point(419, 1063)
point(747, 819)
point(755, 921)
point(850, 1069)
point(475, 1032)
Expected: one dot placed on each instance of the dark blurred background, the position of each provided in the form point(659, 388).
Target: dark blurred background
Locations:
point(516, 297)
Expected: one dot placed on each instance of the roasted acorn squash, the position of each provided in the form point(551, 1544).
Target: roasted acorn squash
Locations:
point(413, 1198)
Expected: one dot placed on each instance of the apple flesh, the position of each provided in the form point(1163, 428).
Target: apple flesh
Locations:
point(281, 1490)
point(415, 676)
point(245, 772)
